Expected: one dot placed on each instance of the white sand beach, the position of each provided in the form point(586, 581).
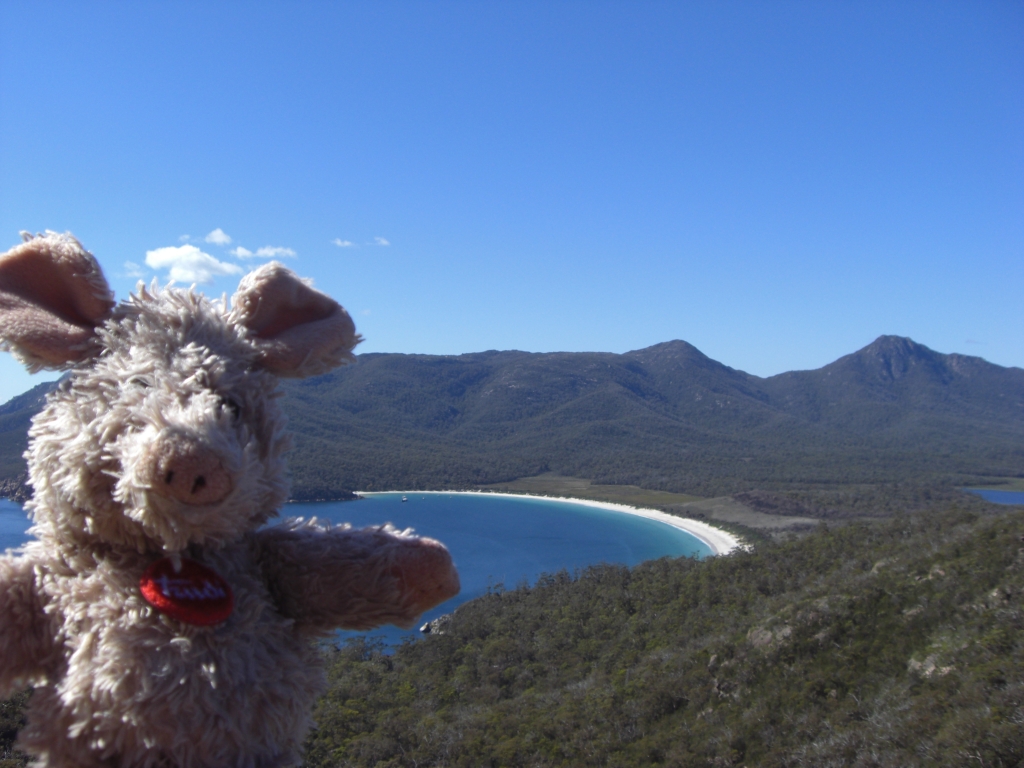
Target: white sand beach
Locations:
point(720, 542)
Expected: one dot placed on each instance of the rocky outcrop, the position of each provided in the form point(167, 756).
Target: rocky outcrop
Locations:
point(16, 488)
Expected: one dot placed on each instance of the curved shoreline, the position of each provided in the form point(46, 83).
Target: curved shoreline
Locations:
point(718, 541)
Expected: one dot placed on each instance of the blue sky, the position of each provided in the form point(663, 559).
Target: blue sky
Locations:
point(776, 183)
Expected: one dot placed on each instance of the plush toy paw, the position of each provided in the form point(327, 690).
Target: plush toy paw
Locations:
point(427, 575)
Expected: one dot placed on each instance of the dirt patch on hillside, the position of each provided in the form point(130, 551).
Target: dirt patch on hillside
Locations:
point(771, 503)
point(726, 509)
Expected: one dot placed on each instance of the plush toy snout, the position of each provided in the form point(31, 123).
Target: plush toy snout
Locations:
point(186, 471)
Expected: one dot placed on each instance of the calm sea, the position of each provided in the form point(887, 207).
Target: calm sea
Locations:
point(999, 497)
point(495, 540)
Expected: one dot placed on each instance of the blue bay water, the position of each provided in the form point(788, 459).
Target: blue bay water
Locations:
point(493, 539)
point(13, 523)
point(998, 497)
point(501, 540)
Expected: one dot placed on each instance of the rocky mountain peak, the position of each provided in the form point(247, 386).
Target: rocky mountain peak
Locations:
point(672, 353)
point(892, 357)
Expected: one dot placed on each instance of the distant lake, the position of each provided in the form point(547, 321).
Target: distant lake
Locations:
point(493, 539)
point(998, 497)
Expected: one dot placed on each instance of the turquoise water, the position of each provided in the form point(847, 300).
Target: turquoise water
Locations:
point(497, 540)
point(999, 497)
point(494, 540)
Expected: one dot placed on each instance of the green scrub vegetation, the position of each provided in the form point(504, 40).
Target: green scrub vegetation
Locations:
point(893, 643)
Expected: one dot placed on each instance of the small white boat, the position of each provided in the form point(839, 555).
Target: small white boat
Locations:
point(405, 498)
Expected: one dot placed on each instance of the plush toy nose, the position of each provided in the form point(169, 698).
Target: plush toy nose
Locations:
point(187, 471)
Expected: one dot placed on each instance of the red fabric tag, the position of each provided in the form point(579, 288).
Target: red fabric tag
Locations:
point(195, 594)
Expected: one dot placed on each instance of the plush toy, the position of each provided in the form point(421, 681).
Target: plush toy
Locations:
point(159, 620)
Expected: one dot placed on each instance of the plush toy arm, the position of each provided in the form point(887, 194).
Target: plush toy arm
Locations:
point(25, 644)
point(328, 577)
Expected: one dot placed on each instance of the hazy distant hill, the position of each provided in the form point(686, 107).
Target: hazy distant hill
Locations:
point(665, 417)
point(15, 417)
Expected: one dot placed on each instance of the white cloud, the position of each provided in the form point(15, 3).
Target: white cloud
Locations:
point(184, 238)
point(271, 251)
point(187, 264)
point(266, 252)
point(381, 241)
point(343, 243)
point(131, 269)
point(218, 237)
point(366, 312)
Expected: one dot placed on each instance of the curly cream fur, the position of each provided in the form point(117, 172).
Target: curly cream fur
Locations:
point(118, 683)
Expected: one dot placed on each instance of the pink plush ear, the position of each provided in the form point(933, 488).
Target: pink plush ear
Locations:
point(299, 331)
point(52, 297)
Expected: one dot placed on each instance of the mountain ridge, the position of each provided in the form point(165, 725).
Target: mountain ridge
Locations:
point(666, 417)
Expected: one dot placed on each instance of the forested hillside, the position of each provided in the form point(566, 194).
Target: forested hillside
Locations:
point(666, 417)
point(892, 634)
point(15, 417)
point(891, 644)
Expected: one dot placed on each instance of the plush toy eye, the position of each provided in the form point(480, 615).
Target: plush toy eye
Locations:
point(230, 405)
